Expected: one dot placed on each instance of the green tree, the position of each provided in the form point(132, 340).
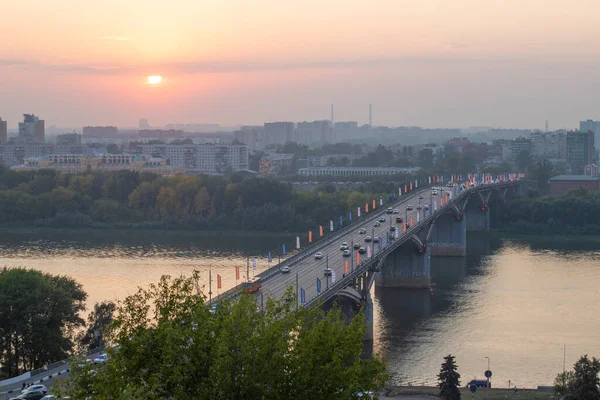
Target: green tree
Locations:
point(562, 382)
point(449, 379)
point(98, 320)
point(426, 158)
point(172, 346)
point(38, 315)
point(523, 160)
point(541, 172)
point(584, 383)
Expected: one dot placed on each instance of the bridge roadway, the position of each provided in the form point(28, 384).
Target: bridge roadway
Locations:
point(308, 269)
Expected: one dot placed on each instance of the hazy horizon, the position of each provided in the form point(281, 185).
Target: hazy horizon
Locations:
point(420, 63)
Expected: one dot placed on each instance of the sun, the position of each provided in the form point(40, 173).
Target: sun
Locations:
point(154, 79)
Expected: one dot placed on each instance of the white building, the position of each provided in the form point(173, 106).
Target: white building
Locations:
point(549, 145)
point(202, 158)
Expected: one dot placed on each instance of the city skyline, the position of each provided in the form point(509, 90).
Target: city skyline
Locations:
point(427, 64)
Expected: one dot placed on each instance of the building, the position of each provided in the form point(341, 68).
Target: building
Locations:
point(143, 124)
point(278, 133)
point(316, 132)
point(161, 134)
point(201, 158)
point(275, 164)
point(32, 129)
point(580, 150)
point(3, 131)
point(355, 171)
point(592, 170)
point(68, 139)
point(549, 145)
point(15, 153)
point(80, 163)
point(250, 136)
point(100, 131)
point(561, 184)
point(590, 125)
point(517, 146)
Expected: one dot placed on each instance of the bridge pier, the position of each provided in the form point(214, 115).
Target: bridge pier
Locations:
point(406, 267)
point(368, 309)
point(478, 220)
point(448, 236)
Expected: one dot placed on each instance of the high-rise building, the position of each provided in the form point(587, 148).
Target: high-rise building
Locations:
point(549, 145)
point(519, 145)
point(31, 129)
point(143, 124)
point(316, 132)
point(590, 125)
point(3, 131)
point(278, 133)
point(251, 136)
point(580, 150)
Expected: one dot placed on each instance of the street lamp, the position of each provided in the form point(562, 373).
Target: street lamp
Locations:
point(488, 372)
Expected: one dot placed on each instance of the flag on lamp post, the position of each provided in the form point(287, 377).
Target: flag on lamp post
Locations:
point(309, 236)
point(405, 188)
point(399, 191)
point(302, 296)
point(321, 230)
point(283, 249)
point(397, 232)
point(345, 267)
point(387, 238)
point(380, 200)
point(218, 281)
point(318, 285)
point(297, 242)
point(341, 221)
point(270, 258)
point(358, 211)
point(411, 185)
point(330, 226)
point(416, 183)
point(254, 263)
point(374, 204)
point(379, 243)
point(357, 258)
point(411, 220)
point(430, 180)
point(332, 276)
point(350, 216)
point(369, 251)
point(237, 273)
point(366, 207)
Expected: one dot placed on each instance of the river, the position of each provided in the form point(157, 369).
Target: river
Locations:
point(514, 303)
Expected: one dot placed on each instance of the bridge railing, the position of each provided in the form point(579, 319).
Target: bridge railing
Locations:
point(326, 241)
point(387, 249)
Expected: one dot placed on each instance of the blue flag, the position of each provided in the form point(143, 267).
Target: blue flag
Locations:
point(341, 221)
point(302, 296)
point(380, 243)
point(283, 248)
point(318, 285)
point(350, 216)
point(388, 238)
point(270, 258)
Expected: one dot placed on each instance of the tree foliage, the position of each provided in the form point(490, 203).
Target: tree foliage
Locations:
point(449, 379)
point(98, 321)
point(582, 383)
point(38, 314)
point(172, 346)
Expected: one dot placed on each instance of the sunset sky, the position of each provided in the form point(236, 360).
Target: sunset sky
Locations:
point(445, 63)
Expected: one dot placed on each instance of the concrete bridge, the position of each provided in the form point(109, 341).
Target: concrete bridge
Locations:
point(399, 258)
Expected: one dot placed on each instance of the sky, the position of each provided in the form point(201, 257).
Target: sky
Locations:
point(431, 63)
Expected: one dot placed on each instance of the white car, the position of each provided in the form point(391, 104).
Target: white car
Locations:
point(347, 253)
point(318, 255)
point(396, 211)
point(101, 359)
point(35, 388)
point(344, 246)
point(434, 193)
point(285, 269)
point(362, 231)
point(327, 272)
point(409, 208)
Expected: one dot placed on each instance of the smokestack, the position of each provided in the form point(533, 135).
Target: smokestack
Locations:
point(332, 114)
point(370, 116)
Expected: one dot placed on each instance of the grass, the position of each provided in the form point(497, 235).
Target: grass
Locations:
point(490, 394)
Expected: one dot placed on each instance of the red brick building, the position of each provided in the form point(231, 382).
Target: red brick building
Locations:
point(561, 184)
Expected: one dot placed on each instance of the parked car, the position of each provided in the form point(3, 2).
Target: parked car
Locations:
point(362, 231)
point(101, 359)
point(327, 272)
point(368, 238)
point(285, 269)
point(344, 246)
point(318, 255)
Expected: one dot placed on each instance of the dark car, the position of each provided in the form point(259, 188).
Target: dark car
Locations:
point(32, 395)
point(382, 219)
point(480, 383)
point(399, 220)
point(392, 229)
point(362, 250)
point(356, 246)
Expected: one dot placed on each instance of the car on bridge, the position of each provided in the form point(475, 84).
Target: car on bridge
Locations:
point(421, 197)
point(362, 231)
point(285, 269)
point(392, 229)
point(346, 253)
point(356, 246)
point(382, 219)
point(376, 239)
point(327, 272)
point(377, 224)
point(399, 220)
point(35, 388)
point(101, 359)
point(389, 211)
point(344, 246)
point(409, 208)
point(396, 211)
point(318, 255)
point(434, 192)
point(368, 238)
point(362, 250)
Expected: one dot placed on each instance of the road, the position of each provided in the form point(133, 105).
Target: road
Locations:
point(309, 269)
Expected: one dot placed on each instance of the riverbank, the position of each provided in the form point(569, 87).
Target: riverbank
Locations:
point(415, 392)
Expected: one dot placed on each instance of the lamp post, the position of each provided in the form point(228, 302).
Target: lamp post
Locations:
point(488, 372)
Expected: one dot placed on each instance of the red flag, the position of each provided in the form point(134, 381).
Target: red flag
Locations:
point(346, 267)
point(441, 201)
point(411, 221)
point(309, 236)
point(357, 258)
point(218, 281)
point(237, 272)
point(321, 230)
point(366, 207)
point(405, 188)
point(411, 185)
point(404, 227)
point(374, 204)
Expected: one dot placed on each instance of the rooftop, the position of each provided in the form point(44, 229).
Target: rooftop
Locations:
point(575, 178)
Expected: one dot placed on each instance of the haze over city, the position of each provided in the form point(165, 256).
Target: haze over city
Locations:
point(427, 63)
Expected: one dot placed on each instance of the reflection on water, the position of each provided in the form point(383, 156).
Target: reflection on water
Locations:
point(514, 303)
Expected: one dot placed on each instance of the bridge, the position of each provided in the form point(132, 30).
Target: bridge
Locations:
point(424, 223)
